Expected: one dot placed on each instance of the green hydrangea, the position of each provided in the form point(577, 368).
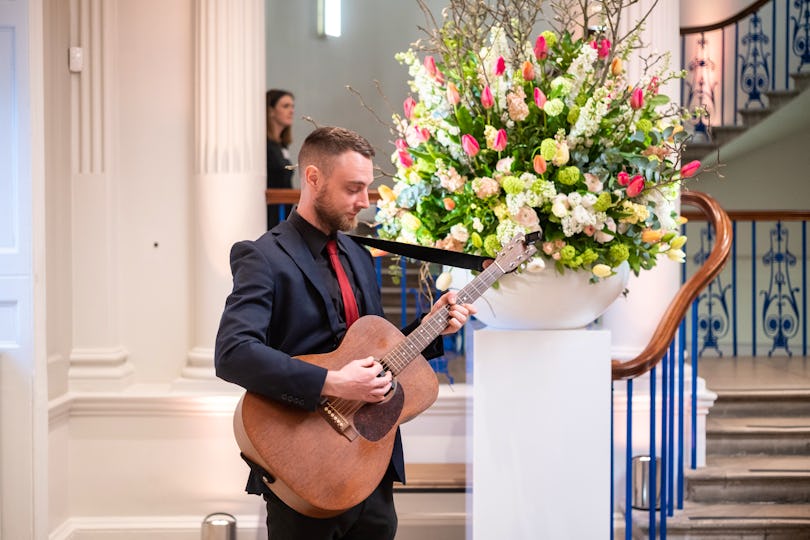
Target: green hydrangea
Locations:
point(589, 256)
point(568, 175)
point(617, 254)
point(550, 37)
point(567, 254)
point(554, 107)
point(603, 202)
point(644, 125)
point(513, 185)
point(573, 115)
point(548, 148)
point(491, 245)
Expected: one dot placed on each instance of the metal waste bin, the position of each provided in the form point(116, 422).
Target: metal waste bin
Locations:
point(219, 526)
point(641, 483)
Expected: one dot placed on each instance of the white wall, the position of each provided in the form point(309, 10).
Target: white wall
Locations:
point(317, 70)
point(155, 86)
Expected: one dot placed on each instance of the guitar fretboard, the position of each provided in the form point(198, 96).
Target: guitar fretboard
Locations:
point(433, 325)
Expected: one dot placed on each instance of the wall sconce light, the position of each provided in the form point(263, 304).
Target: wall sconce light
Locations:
point(329, 18)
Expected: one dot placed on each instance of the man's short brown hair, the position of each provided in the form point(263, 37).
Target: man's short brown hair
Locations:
point(326, 143)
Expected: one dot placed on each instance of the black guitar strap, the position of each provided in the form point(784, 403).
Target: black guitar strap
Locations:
point(427, 254)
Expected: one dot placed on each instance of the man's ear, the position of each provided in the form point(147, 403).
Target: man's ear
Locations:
point(312, 175)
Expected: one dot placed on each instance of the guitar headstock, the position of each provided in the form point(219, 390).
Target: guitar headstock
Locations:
point(517, 251)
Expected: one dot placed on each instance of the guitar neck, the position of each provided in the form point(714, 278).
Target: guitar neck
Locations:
point(433, 325)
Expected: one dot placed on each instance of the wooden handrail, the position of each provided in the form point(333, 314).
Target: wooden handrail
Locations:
point(665, 332)
point(756, 215)
point(290, 196)
point(725, 22)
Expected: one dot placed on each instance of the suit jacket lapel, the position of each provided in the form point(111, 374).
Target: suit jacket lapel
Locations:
point(291, 242)
point(364, 275)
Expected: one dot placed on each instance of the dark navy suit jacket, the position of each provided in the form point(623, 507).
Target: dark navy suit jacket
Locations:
point(280, 308)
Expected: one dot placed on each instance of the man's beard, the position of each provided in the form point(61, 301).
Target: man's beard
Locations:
point(336, 221)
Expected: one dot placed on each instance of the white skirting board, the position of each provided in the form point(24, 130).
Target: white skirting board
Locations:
point(541, 434)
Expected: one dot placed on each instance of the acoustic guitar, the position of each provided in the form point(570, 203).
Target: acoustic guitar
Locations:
point(327, 461)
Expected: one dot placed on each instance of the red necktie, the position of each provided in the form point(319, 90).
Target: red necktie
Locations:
point(349, 302)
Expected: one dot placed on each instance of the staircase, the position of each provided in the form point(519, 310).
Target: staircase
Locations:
point(724, 134)
point(756, 483)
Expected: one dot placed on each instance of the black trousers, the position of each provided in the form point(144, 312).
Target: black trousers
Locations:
point(373, 519)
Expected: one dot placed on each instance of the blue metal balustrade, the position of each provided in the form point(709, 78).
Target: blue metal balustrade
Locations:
point(742, 62)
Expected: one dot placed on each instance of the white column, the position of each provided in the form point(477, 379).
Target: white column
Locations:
point(541, 434)
point(633, 318)
point(98, 360)
point(230, 162)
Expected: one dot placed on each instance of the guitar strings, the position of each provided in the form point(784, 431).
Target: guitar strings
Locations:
point(401, 355)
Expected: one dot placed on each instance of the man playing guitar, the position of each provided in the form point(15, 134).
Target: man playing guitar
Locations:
point(290, 298)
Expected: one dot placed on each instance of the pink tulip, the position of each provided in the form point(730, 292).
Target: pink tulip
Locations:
point(652, 88)
point(637, 98)
point(470, 145)
point(623, 178)
point(500, 66)
point(415, 135)
point(487, 101)
point(636, 186)
point(499, 144)
point(690, 169)
point(540, 48)
point(405, 158)
point(528, 71)
point(408, 107)
point(539, 97)
point(539, 164)
point(602, 48)
point(430, 65)
point(401, 144)
point(453, 97)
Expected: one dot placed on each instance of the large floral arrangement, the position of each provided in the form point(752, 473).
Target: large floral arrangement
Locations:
point(508, 132)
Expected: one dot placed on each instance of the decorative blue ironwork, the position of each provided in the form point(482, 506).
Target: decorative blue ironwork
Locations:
point(754, 69)
point(780, 309)
point(700, 86)
point(800, 42)
point(714, 319)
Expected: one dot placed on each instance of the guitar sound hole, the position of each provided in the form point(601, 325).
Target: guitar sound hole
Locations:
point(375, 421)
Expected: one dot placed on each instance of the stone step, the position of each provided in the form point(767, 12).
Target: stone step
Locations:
point(722, 135)
point(753, 521)
point(750, 479)
point(752, 117)
point(801, 80)
point(697, 150)
point(772, 435)
point(777, 98)
point(787, 402)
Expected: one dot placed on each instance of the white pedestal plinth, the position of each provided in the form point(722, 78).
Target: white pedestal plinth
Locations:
point(541, 434)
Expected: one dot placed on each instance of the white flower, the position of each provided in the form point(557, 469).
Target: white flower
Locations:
point(459, 232)
point(444, 281)
point(536, 264)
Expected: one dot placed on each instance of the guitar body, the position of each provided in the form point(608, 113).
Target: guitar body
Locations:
point(320, 470)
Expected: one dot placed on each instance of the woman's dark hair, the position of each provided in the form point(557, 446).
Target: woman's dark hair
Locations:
point(271, 98)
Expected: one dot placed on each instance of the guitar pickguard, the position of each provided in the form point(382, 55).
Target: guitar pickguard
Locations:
point(374, 420)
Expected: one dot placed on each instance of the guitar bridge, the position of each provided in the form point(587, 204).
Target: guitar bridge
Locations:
point(338, 422)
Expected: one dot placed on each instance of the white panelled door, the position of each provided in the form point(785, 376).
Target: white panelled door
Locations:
point(22, 456)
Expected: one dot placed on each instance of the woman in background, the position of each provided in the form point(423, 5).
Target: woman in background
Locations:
point(280, 112)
